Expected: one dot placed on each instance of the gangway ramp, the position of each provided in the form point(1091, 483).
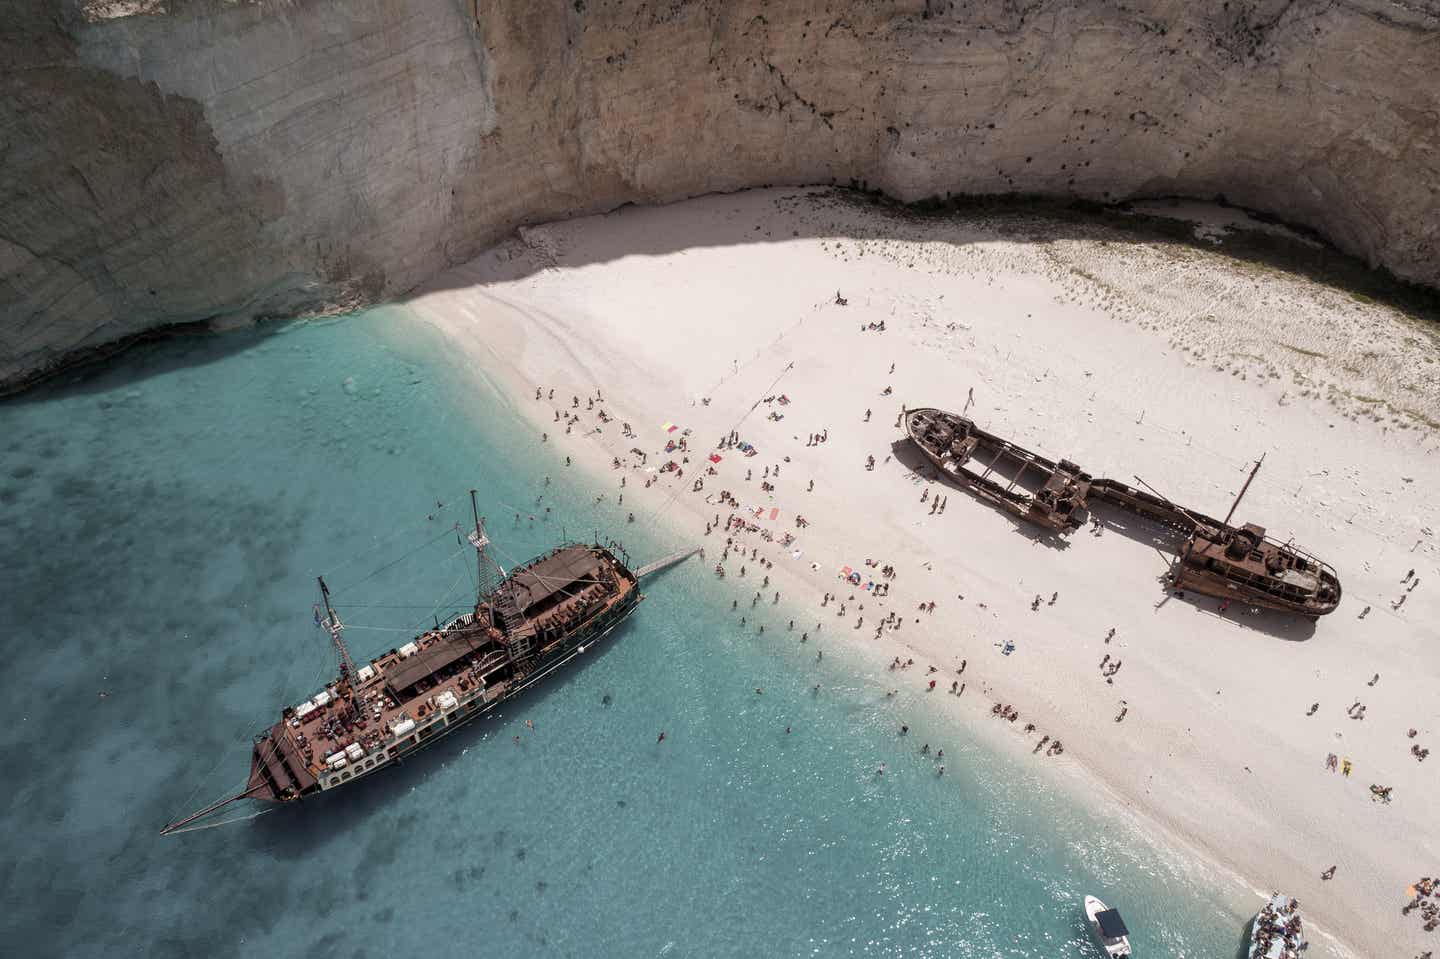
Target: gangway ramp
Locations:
point(665, 562)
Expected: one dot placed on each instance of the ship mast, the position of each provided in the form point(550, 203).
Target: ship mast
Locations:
point(1241, 495)
point(334, 627)
point(484, 583)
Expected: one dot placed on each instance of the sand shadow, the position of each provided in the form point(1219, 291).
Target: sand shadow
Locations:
point(1165, 540)
point(909, 456)
point(1290, 627)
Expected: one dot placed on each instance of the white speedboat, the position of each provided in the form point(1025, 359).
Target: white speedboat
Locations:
point(1277, 932)
point(1108, 928)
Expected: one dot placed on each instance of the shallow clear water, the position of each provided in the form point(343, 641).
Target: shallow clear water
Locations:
point(161, 525)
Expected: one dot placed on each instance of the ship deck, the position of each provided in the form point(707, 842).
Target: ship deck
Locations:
point(467, 654)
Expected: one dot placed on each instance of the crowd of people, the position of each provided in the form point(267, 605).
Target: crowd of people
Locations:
point(1276, 926)
point(1423, 897)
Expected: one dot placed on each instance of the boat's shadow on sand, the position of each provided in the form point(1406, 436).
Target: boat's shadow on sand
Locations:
point(1287, 626)
point(908, 455)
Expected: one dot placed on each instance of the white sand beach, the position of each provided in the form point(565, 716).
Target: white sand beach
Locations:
point(1177, 364)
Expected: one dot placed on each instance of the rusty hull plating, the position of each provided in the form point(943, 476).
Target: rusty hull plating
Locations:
point(1240, 563)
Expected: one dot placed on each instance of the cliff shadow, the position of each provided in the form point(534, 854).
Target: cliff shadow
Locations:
point(957, 220)
point(1020, 218)
point(137, 358)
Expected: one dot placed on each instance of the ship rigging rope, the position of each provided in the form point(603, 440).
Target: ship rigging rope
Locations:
point(319, 673)
point(223, 822)
point(446, 532)
point(408, 527)
point(442, 562)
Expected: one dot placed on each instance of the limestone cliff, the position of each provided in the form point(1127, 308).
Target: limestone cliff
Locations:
point(174, 160)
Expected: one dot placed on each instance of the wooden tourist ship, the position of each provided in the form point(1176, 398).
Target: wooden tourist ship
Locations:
point(1053, 494)
point(1240, 564)
point(524, 626)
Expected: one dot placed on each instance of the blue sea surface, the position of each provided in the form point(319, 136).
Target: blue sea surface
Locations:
point(162, 522)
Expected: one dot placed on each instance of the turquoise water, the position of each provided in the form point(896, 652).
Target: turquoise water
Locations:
point(162, 522)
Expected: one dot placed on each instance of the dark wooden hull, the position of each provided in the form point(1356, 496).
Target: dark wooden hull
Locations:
point(558, 655)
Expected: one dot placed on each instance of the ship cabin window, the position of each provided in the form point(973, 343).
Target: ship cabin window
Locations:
point(344, 776)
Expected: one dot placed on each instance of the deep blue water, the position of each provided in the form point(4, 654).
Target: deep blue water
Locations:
point(161, 524)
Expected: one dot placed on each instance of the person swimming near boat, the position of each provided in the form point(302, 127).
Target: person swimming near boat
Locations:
point(661, 738)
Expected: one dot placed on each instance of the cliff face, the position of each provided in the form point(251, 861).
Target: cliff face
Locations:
point(175, 160)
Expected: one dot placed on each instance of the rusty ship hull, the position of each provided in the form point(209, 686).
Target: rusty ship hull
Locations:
point(969, 456)
point(1240, 564)
point(410, 697)
point(1236, 563)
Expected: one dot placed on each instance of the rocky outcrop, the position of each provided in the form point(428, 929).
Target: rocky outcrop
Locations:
point(168, 161)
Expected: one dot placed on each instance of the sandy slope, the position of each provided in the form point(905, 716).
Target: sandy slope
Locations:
point(1168, 362)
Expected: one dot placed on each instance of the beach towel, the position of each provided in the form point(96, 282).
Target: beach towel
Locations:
point(774, 514)
point(669, 427)
point(715, 457)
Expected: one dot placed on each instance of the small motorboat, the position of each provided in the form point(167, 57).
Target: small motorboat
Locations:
point(1277, 932)
point(1108, 927)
